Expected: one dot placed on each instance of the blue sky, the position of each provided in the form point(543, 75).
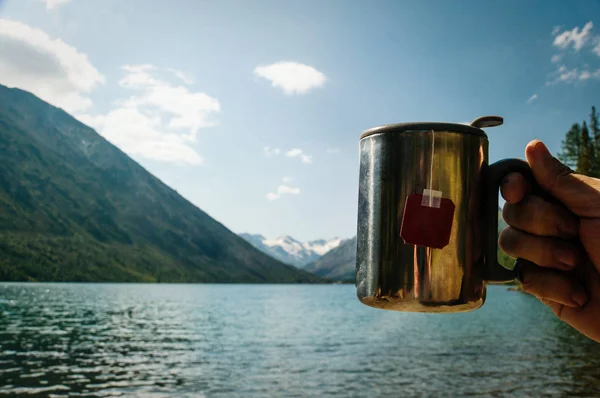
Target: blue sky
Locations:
point(196, 90)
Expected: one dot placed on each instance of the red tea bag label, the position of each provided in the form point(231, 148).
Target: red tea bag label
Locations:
point(427, 219)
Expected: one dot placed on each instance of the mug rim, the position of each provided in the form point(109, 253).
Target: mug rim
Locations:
point(423, 126)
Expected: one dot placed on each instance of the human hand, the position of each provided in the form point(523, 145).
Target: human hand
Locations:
point(564, 241)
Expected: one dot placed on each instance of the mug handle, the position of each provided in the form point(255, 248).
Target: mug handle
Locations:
point(493, 271)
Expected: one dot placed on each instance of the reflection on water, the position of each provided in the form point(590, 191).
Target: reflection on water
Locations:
point(256, 341)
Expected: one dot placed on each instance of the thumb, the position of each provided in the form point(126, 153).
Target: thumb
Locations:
point(581, 194)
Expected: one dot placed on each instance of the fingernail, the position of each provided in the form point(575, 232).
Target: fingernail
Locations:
point(539, 151)
point(580, 297)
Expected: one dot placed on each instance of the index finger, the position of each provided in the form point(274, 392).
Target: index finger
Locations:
point(514, 188)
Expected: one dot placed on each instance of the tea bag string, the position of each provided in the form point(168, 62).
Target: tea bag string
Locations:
point(431, 169)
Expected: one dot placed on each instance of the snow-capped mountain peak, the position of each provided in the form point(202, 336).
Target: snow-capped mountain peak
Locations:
point(287, 244)
point(291, 251)
point(322, 246)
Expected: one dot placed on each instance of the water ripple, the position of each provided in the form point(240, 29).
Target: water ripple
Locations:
point(100, 340)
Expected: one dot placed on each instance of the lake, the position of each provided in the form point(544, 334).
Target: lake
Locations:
point(138, 340)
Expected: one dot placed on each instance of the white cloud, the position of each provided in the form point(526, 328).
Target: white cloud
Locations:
point(294, 152)
point(51, 69)
point(297, 152)
point(138, 134)
point(578, 39)
point(574, 36)
point(565, 75)
point(271, 151)
point(291, 77)
point(532, 98)
point(50, 4)
point(596, 49)
point(139, 68)
point(186, 110)
point(586, 74)
point(159, 121)
point(287, 179)
point(272, 196)
point(282, 190)
point(555, 30)
point(285, 189)
point(334, 150)
point(184, 77)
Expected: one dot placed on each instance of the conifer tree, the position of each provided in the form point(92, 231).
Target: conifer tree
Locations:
point(586, 159)
point(595, 137)
point(571, 147)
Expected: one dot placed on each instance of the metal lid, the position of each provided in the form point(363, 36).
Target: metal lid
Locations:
point(474, 128)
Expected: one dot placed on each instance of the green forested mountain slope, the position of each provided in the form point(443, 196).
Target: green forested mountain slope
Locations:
point(75, 208)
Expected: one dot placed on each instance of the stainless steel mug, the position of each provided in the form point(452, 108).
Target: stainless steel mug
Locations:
point(431, 165)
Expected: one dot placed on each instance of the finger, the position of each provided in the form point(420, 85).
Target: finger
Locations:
point(557, 308)
point(540, 217)
point(584, 319)
point(554, 286)
point(544, 251)
point(514, 187)
point(579, 193)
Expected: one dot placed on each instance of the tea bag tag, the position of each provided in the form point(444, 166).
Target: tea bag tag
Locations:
point(431, 198)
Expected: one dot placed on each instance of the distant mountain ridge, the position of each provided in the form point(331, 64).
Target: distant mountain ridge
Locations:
point(291, 251)
point(73, 207)
point(339, 264)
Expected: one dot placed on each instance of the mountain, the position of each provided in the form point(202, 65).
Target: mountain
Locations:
point(73, 207)
point(340, 263)
point(291, 251)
